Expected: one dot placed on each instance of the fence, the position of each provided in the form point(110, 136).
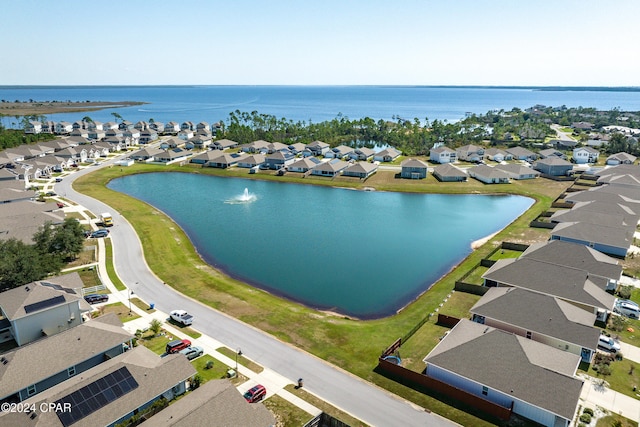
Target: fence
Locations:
point(325, 420)
point(418, 380)
point(93, 289)
point(470, 288)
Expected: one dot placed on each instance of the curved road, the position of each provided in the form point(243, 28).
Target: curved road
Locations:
point(359, 398)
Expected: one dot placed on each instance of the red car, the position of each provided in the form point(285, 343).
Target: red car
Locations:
point(255, 394)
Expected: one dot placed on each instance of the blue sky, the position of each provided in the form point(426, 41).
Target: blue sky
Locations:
point(421, 42)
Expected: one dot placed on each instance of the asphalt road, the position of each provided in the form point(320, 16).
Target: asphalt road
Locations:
point(359, 398)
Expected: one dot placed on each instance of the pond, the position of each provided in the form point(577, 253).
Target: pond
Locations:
point(359, 253)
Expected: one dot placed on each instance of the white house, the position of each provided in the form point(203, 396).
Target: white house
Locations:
point(582, 155)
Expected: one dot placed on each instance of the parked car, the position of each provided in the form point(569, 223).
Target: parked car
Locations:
point(627, 308)
point(60, 205)
point(255, 394)
point(181, 316)
point(58, 179)
point(608, 344)
point(103, 232)
point(96, 298)
point(51, 193)
point(176, 345)
point(192, 352)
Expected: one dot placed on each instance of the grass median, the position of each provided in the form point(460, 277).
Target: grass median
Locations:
point(351, 344)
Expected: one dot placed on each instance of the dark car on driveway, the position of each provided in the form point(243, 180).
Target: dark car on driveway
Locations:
point(255, 394)
point(96, 298)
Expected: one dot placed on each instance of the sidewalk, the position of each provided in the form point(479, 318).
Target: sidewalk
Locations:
point(595, 395)
point(273, 382)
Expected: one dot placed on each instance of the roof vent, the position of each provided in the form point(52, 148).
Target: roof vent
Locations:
point(26, 288)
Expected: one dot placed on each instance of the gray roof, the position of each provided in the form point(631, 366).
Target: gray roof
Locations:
point(217, 402)
point(362, 167)
point(516, 366)
point(622, 157)
point(620, 170)
point(618, 237)
point(13, 301)
point(208, 155)
point(564, 282)
point(516, 169)
point(448, 169)
point(46, 357)
point(305, 163)
point(576, 256)
point(601, 194)
point(554, 161)
point(626, 179)
point(442, 149)
point(520, 151)
point(154, 375)
point(582, 215)
point(540, 313)
point(225, 143)
point(332, 166)
point(413, 163)
point(487, 172)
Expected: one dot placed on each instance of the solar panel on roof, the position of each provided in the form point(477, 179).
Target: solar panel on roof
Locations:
point(96, 395)
point(40, 305)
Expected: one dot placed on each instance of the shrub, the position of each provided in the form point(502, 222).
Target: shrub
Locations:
point(588, 411)
point(209, 364)
point(605, 370)
point(624, 292)
point(585, 418)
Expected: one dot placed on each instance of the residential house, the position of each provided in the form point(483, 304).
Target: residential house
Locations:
point(553, 166)
point(542, 318)
point(297, 148)
point(95, 125)
point(147, 136)
point(200, 142)
point(171, 143)
point(224, 144)
point(563, 144)
point(111, 393)
point(570, 284)
point(361, 170)
point(497, 155)
point(48, 126)
point(516, 171)
point(251, 161)
point(188, 126)
point(470, 153)
point(157, 126)
point(442, 155)
point(621, 159)
point(171, 128)
point(33, 127)
point(217, 402)
point(362, 154)
point(42, 364)
point(114, 132)
point(74, 140)
point(206, 157)
point(185, 134)
point(279, 159)
point(317, 148)
point(77, 155)
point(614, 241)
point(303, 165)
point(413, 169)
point(582, 155)
point(582, 126)
point(133, 135)
point(387, 155)
point(63, 128)
point(146, 154)
point(224, 160)
point(259, 146)
point(80, 132)
point(488, 175)
point(172, 156)
point(203, 126)
point(449, 173)
point(109, 126)
point(521, 153)
point(95, 134)
point(41, 308)
point(339, 152)
point(331, 168)
point(125, 125)
point(536, 381)
point(552, 152)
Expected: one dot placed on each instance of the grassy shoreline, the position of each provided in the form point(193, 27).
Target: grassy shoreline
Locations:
point(353, 345)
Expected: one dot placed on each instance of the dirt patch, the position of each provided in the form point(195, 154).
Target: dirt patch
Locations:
point(51, 107)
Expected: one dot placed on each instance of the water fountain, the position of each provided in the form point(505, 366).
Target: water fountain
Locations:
point(245, 197)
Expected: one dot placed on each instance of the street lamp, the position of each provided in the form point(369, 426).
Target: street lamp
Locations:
point(238, 353)
point(130, 292)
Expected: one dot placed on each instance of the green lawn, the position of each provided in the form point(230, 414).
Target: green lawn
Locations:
point(242, 360)
point(111, 271)
point(287, 414)
point(90, 278)
point(216, 372)
point(142, 305)
point(625, 374)
point(476, 275)
point(353, 345)
point(324, 406)
point(615, 420)
point(120, 310)
point(504, 254)
point(184, 329)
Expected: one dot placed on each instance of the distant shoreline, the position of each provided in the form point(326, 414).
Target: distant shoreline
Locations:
point(53, 107)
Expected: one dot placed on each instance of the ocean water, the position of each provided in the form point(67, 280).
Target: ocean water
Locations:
point(364, 254)
point(312, 103)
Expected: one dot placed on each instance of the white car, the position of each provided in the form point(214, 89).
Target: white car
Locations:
point(608, 344)
point(181, 316)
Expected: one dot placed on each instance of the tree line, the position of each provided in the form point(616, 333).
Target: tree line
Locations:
point(53, 247)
